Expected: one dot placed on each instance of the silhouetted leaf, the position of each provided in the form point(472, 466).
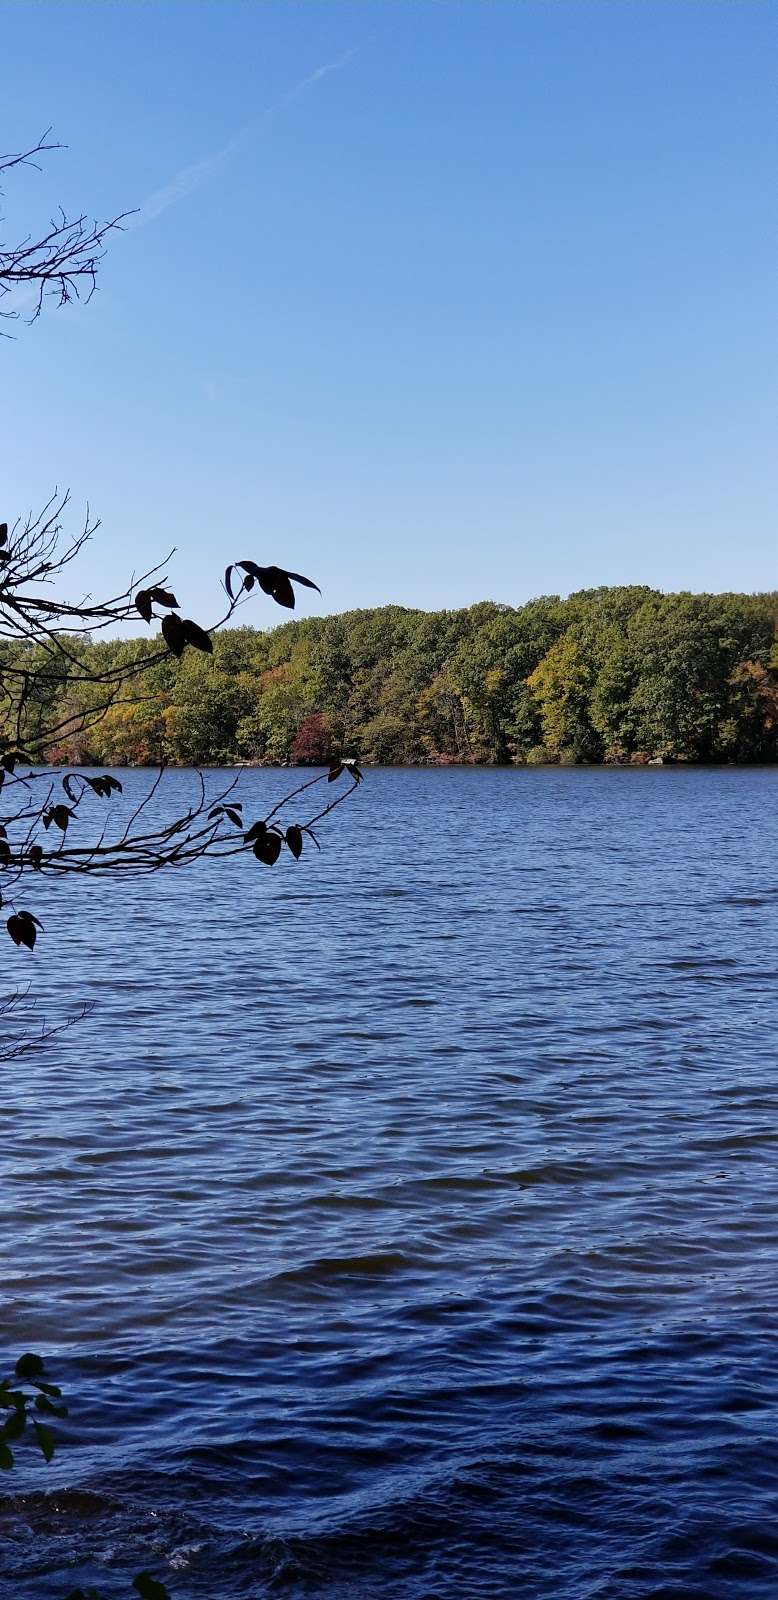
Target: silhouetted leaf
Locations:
point(233, 812)
point(335, 771)
point(256, 831)
point(3, 533)
point(275, 581)
point(173, 634)
point(228, 581)
point(5, 852)
point(353, 770)
point(163, 597)
point(14, 1426)
point(6, 1456)
point(46, 1440)
point(308, 583)
point(21, 932)
point(196, 636)
point(104, 785)
point(143, 604)
point(268, 848)
point(67, 784)
point(294, 839)
point(43, 1403)
point(14, 758)
point(35, 856)
point(148, 1588)
point(22, 928)
point(249, 581)
point(60, 815)
point(278, 586)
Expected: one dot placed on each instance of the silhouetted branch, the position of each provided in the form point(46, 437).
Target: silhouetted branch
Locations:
point(18, 1007)
point(63, 260)
point(41, 817)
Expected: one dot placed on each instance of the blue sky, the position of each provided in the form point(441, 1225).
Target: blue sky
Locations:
point(435, 301)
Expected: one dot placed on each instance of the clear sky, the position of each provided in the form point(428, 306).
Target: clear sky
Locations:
point(435, 301)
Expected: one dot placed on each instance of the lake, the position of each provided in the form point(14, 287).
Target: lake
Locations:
point(403, 1222)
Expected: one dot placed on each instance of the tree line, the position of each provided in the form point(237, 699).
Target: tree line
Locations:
point(607, 675)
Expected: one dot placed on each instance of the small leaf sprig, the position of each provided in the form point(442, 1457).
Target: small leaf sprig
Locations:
point(178, 631)
point(267, 838)
point(25, 1398)
point(25, 1409)
point(23, 925)
point(275, 581)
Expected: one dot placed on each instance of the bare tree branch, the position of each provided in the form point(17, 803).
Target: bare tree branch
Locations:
point(21, 1008)
point(63, 260)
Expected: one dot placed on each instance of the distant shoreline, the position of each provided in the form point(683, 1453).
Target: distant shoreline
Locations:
point(423, 766)
point(622, 676)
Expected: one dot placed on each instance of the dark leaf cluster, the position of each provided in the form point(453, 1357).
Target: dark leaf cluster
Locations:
point(28, 1401)
point(274, 581)
point(23, 928)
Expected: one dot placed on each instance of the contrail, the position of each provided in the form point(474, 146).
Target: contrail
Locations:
point(185, 182)
point(197, 173)
point(313, 77)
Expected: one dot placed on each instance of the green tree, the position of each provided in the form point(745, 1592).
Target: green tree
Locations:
point(562, 684)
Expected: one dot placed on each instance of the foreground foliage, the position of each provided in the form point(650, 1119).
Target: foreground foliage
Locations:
point(46, 652)
point(611, 674)
point(26, 1398)
point(29, 1401)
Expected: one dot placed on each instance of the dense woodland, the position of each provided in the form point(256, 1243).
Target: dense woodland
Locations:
point(616, 675)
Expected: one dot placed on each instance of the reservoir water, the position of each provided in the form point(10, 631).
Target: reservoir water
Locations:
point(403, 1222)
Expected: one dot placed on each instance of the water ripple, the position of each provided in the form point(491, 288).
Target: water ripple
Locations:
point(412, 1231)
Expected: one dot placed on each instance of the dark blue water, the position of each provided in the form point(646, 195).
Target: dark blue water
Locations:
point(404, 1222)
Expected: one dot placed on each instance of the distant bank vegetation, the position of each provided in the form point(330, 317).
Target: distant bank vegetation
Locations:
point(614, 675)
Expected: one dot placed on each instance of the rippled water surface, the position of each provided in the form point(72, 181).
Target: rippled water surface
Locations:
point(404, 1222)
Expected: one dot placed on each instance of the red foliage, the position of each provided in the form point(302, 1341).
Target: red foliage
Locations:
point(312, 743)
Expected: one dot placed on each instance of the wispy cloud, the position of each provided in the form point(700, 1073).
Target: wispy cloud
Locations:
point(193, 177)
point(186, 182)
point(314, 77)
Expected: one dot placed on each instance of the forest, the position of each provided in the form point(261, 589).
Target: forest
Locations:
point(623, 674)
